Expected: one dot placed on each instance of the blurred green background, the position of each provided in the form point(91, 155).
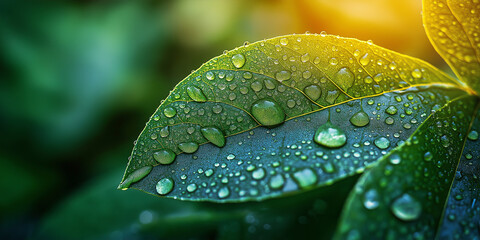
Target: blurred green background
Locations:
point(81, 78)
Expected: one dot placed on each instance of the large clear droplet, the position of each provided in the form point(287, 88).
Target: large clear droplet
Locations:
point(344, 78)
point(329, 135)
point(164, 186)
point(277, 181)
point(196, 94)
point(313, 92)
point(365, 60)
point(170, 112)
point(164, 156)
point(406, 208)
point(268, 112)
point(370, 199)
point(214, 135)
point(473, 135)
point(135, 176)
point(223, 192)
point(283, 75)
point(417, 73)
point(305, 178)
point(382, 142)
point(258, 173)
point(360, 119)
point(188, 147)
point(238, 60)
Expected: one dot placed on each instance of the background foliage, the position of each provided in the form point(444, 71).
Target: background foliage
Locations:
point(81, 78)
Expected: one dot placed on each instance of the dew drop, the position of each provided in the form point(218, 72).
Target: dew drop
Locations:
point(284, 41)
point(269, 84)
point(276, 181)
point(445, 141)
point(332, 96)
point(389, 120)
point(382, 143)
point(238, 60)
point(333, 61)
point(268, 112)
point(217, 109)
point(406, 208)
point(170, 112)
point(391, 110)
point(188, 147)
point(135, 176)
point(224, 192)
point(360, 119)
point(428, 156)
point(164, 186)
point(196, 94)
point(344, 78)
point(192, 187)
point(283, 75)
point(416, 73)
point(313, 92)
point(370, 199)
point(307, 74)
point(305, 178)
point(214, 135)
point(365, 59)
point(305, 58)
point(290, 103)
point(256, 86)
point(210, 75)
point(164, 132)
point(330, 136)
point(164, 156)
point(395, 159)
point(473, 135)
point(258, 174)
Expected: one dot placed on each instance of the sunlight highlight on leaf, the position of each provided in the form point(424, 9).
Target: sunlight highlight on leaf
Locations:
point(453, 27)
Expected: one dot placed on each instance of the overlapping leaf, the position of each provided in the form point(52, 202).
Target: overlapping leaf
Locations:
point(269, 99)
point(405, 193)
point(453, 27)
point(461, 217)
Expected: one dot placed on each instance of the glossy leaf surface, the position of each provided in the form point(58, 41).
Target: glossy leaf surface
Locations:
point(404, 195)
point(461, 218)
point(270, 100)
point(453, 27)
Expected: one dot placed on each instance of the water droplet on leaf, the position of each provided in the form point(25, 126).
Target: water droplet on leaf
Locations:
point(305, 178)
point(268, 112)
point(188, 147)
point(196, 94)
point(238, 60)
point(313, 92)
point(360, 119)
point(283, 75)
point(214, 135)
point(164, 186)
point(164, 156)
point(329, 135)
point(406, 208)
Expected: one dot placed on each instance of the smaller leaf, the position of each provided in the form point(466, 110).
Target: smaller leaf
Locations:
point(453, 28)
point(405, 193)
point(461, 218)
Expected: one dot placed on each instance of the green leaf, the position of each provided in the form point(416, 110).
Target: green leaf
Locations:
point(405, 193)
point(462, 213)
point(297, 112)
point(453, 29)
